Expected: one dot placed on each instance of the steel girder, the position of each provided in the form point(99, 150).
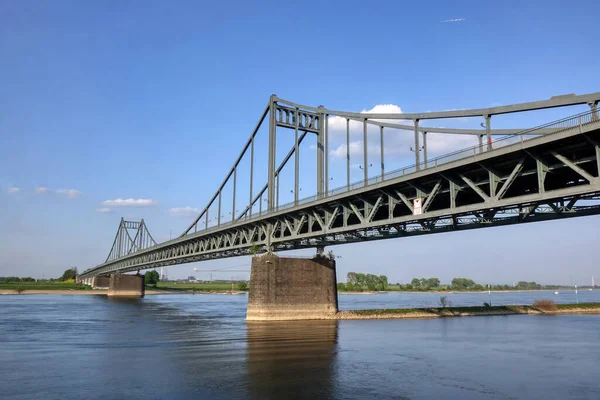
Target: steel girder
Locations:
point(542, 179)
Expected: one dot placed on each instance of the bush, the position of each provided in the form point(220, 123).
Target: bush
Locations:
point(544, 305)
point(242, 286)
point(444, 302)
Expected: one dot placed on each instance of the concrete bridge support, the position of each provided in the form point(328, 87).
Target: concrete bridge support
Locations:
point(292, 288)
point(101, 282)
point(121, 285)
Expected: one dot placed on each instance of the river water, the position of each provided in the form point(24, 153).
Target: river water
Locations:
point(200, 347)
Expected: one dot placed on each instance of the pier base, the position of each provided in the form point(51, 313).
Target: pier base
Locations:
point(126, 285)
point(291, 289)
point(101, 282)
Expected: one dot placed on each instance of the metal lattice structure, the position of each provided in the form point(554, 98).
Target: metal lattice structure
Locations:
point(547, 172)
point(127, 242)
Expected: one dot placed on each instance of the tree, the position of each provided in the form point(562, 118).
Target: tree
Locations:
point(255, 250)
point(444, 302)
point(416, 283)
point(351, 278)
point(462, 284)
point(383, 282)
point(69, 274)
point(341, 287)
point(151, 278)
point(433, 283)
point(242, 286)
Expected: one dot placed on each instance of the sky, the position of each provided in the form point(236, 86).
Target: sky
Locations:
point(138, 109)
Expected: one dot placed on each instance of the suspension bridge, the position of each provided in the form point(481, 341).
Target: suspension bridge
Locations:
point(509, 176)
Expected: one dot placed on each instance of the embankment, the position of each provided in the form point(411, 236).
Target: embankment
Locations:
point(584, 308)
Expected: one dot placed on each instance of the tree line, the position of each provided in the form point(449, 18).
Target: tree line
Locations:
point(358, 282)
point(68, 276)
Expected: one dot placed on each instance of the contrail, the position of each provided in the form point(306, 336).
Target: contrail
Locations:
point(454, 20)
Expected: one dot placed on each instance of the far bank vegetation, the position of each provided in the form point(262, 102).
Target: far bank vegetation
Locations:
point(358, 282)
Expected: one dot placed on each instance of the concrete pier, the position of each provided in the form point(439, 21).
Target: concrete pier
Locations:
point(122, 285)
point(291, 288)
point(101, 282)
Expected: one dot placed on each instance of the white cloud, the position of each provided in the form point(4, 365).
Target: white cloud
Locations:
point(184, 211)
point(397, 142)
point(384, 109)
point(14, 190)
point(129, 203)
point(41, 189)
point(103, 210)
point(454, 20)
point(356, 149)
point(69, 193)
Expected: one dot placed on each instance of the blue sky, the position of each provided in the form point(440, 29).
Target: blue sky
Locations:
point(153, 100)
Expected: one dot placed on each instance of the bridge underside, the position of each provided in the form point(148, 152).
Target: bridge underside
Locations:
point(551, 177)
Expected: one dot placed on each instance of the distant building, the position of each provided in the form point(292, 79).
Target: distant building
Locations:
point(191, 278)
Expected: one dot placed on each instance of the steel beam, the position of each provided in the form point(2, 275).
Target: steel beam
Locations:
point(573, 166)
point(219, 215)
point(425, 148)
point(348, 152)
point(553, 102)
point(381, 152)
point(272, 156)
point(320, 151)
point(511, 178)
point(325, 121)
point(251, 175)
point(488, 120)
point(417, 155)
point(365, 150)
point(475, 188)
point(296, 158)
point(233, 215)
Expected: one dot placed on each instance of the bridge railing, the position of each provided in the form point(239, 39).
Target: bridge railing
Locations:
point(558, 126)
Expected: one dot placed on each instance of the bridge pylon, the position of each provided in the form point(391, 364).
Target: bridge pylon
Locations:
point(125, 244)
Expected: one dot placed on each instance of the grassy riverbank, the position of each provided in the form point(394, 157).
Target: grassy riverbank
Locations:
point(42, 286)
point(204, 287)
point(438, 312)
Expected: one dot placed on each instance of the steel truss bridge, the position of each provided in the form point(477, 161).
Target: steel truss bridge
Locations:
point(526, 175)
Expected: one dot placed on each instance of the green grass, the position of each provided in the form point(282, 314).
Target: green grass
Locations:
point(471, 310)
point(440, 311)
point(388, 311)
point(207, 286)
point(577, 306)
point(23, 286)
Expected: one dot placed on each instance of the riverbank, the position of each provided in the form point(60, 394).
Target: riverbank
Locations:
point(103, 292)
point(583, 308)
point(460, 291)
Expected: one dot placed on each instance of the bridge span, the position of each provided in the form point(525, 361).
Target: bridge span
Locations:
point(524, 175)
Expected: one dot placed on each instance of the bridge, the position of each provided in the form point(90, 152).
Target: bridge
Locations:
point(510, 176)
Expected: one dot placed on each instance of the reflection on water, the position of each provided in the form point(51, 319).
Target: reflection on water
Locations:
point(200, 347)
point(291, 359)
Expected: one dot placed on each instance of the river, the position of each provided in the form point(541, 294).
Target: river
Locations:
point(200, 347)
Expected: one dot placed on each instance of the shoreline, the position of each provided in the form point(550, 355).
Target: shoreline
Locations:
point(459, 291)
point(453, 312)
point(211, 291)
point(103, 292)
